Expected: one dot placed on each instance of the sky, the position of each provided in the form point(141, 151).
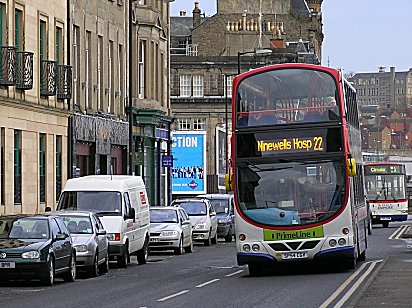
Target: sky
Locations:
point(360, 35)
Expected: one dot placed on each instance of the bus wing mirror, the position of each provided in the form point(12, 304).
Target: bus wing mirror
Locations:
point(228, 182)
point(351, 167)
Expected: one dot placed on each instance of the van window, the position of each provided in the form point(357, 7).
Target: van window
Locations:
point(126, 203)
point(107, 202)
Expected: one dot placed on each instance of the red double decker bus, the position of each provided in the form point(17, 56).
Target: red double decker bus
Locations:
point(297, 167)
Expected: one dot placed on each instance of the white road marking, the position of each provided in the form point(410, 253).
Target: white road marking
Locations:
point(396, 235)
point(235, 273)
point(343, 286)
point(206, 283)
point(356, 285)
point(173, 295)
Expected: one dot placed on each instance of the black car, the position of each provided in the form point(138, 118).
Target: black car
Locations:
point(36, 247)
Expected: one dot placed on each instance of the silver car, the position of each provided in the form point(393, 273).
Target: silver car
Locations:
point(89, 240)
point(170, 229)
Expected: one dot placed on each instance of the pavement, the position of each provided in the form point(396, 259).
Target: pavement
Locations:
point(391, 284)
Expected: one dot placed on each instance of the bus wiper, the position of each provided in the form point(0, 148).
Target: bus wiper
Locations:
point(380, 193)
point(266, 202)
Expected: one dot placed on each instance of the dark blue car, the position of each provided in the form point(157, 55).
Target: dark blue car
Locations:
point(225, 206)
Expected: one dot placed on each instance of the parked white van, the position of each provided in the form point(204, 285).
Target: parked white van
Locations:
point(122, 205)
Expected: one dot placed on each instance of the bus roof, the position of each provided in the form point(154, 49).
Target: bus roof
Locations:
point(333, 71)
point(383, 163)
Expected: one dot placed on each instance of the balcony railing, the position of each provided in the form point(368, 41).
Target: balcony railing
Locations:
point(8, 66)
point(64, 82)
point(24, 78)
point(48, 78)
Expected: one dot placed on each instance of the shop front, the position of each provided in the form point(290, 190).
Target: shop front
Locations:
point(151, 144)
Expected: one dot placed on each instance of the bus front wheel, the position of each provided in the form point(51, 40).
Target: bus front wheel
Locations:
point(255, 270)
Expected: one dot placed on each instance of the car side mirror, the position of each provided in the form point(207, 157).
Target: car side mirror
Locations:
point(186, 222)
point(101, 232)
point(60, 236)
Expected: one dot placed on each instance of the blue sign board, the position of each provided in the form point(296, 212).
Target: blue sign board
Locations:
point(167, 161)
point(189, 167)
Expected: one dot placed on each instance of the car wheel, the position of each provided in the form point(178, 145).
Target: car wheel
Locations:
point(104, 267)
point(190, 247)
point(94, 269)
point(208, 241)
point(179, 250)
point(122, 261)
point(48, 278)
point(229, 236)
point(214, 239)
point(70, 275)
point(143, 253)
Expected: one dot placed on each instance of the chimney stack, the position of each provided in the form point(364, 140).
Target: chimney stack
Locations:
point(196, 15)
point(182, 13)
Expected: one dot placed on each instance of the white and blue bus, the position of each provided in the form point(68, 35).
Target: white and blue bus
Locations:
point(385, 185)
point(297, 167)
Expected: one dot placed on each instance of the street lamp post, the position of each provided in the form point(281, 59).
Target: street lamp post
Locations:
point(227, 76)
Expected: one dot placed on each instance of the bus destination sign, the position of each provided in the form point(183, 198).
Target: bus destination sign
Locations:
point(298, 144)
point(383, 169)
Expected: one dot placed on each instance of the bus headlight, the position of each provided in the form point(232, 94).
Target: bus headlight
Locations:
point(246, 247)
point(255, 247)
point(342, 242)
point(332, 243)
point(345, 231)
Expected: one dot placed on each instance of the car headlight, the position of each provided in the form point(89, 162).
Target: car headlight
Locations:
point(113, 236)
point(222, 221)
point(81, 248)
point(30, 255)
point(201, 225)
point(169, 233)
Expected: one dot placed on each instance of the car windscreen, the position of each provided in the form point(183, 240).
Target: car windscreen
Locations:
point(24, 228)
point(100, 202)
point(78, 224)
point(194, 208)
point(221, 205)
point(162, 216)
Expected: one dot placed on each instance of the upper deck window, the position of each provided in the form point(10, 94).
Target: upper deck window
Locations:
point(287, 96)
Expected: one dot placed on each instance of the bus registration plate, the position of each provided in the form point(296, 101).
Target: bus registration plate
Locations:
point(294, 255)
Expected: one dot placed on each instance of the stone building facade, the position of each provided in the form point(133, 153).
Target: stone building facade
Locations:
point(385, 89)
point(71, 74)
point(35, 88)
point(206, 53)
point(120, 71)
point(99, 127)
